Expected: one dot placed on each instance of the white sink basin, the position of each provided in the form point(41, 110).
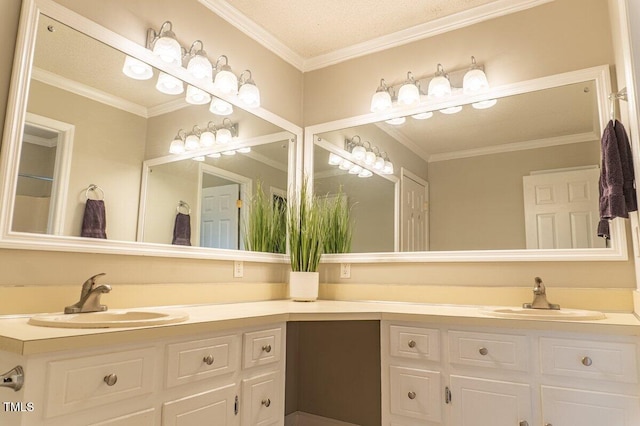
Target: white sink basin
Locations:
point(108, 319)
point(550, 314)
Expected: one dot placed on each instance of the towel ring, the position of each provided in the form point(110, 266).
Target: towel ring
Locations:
point(183, 205)
point(99, 193)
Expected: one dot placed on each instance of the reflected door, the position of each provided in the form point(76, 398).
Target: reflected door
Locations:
point(219, 217)
point(561, 209)
point(414, 214)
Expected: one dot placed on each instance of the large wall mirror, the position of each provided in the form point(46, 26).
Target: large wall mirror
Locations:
point(516, 181)
point(80, 129)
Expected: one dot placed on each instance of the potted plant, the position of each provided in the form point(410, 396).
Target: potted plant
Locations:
point(306, 226)
point(265, 228)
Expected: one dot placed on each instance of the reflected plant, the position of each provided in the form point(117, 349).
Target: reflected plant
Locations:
point(265, 229)
point(339, 228)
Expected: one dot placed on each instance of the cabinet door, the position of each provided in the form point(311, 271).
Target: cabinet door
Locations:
point(571, 407)
point(415, 393)
point(483, 402)
point(262, 400)
point(216, 407)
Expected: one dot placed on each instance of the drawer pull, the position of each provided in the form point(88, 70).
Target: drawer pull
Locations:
point(208, 359)
point(110, 379)
point(266, 402)
point(586, 361)
point(412, 344)
point(483, 351)
point(411, 395)
point(266, 348)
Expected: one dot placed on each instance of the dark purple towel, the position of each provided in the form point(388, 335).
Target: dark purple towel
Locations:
point(617, 190)
point(182, 230)
point(94, 222)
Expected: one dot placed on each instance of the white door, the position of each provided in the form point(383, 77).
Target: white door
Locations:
point(561, 209)
point(484, 402)
point(415, 213)
point(219, 217)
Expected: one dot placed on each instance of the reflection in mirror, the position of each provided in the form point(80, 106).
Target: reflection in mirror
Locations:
point(88, 123)
point(522, 174)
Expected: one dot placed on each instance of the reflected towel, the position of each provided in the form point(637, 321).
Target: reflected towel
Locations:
point(94, 222)
point(182, 230)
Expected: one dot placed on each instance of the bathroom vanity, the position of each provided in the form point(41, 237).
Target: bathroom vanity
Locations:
point(440, 365)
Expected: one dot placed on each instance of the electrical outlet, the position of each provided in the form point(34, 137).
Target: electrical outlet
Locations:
point(238, 269)
point(345, 270)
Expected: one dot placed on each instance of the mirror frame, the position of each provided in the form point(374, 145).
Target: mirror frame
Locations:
point(14, 125)
point(618, 250)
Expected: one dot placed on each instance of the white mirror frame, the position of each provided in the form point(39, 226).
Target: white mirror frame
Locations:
point(14, 125)
point(618, 251)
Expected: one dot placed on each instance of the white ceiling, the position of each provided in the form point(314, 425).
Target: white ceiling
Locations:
point(312, 34)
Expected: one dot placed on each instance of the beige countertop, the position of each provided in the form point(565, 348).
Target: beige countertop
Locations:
point(17, 336)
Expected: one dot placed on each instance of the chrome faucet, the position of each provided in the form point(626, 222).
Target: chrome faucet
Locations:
point(90, 297)
point(540, 298)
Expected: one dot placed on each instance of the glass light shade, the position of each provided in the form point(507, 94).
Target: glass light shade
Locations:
point(200, 67)
point(409, 94)
point(196, 96)
point(355, 169)
point(334, 159)
point(345, 165)
point(396, 121)
point(214, 155)
point(169, 84)
point(244, 150)
point(168, 49)
point(223, 136)
point(370, 158)
point(380, 101)
point(249, 95)
point(177, 146)
point(226, 83)
point(365, 173)
point(439, 87)
point(192, 142)
point(484, 104)
point(207, 138)
point(422, 115)
point(137, 69)
point(379, 164)
point(388, 168)
point(198, 158)
point(359, 152)
point(229, 153)
point(474, 81)
point(220, 107)
point(451, 110)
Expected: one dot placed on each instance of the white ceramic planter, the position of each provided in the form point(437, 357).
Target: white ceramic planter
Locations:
point(303, 286)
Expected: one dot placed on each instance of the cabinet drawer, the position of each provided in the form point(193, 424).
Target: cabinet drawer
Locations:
point(216, 407)
point(414, 342)
point(81, 383)
point(201, 359)
point(261, 400)
point(415, 393)
point(504, 351)
point(589, 359)
point(140, 418)
point(261, 347)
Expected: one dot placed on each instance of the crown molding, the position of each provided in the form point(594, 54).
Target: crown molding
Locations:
point(438, 26)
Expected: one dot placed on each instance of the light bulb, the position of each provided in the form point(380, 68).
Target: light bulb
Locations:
point(334, 159)
point(200, 67)
point(207, 138)
point(244, 150)
point(475, 80)
point(229, 153)
point(355, 169)
point(359, 152)
point(220, 107)
point(381, 101)
point(249, 95)
point(396, 121)
point(370, 158)
point(365, 173)
point(177, 146)
point(168, 48)
point(451, 110)
point(422, 115)
point(223, 136)
point(439, 86)
point(169, 84)
point(484, 104)
point(226, 82)
point(214, 155)
point(409, 94)
point(388, 168)
point(198, 158)
point(345, 165)
point(197, 96)
point(192, 142)
point(379, 164)
point(137, 69)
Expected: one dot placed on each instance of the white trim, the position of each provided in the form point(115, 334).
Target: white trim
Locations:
point(266, 160)
point(40, 141)
point(419, 32)
point(401, 138)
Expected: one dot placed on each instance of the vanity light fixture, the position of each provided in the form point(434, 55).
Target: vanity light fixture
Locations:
point(248, 92)
point(199, 65)
point(356, 147)
point(208, 136)
point(382, 99)
point(220, 107)
point(225, 81)
point(364, 159)
point(409, 93)
point(169, 84)
point(225, 133)
point(439, 86)
point(475, 80)
point(164, 44)
point(197, 96)
point(177, 145)
point(136, 69)
point(193, 139)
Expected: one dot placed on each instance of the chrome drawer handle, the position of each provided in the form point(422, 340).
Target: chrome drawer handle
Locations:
point(266, 348)
point(266, 402)
point(412, 344)
point(411, 395)
point(13, 378)
point(483, 351)
point(208, 359)
point(110, 379)
point(586, 361)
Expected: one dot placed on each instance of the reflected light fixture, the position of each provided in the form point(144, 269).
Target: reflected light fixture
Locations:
point(225, 81)
point(334, 159)
point(192, 142)
point(356, 147)
point(484, 104)
point(214, 155)
point(244, 150)
point(409, 92)
point(169, 84)
point(451, 110)
point(198, 158)
point(136, 69)
point(164, 44)
point(177, 145)
point(197, 96)
point(229, 153)
point(248, 92)
point(220, 107)
point(439, 86)
point(208, 136)
point(365, 173)
point(396, 121)
point(199, 65)
point(422, 115)
point(381, 100)
point(225, 133)
point(475, 80)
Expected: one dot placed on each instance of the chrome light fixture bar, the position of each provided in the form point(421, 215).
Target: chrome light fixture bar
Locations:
point(209, 136)
point(364, 159)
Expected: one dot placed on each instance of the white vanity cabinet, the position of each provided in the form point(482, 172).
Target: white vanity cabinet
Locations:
point(233, 377)
point(473, 376)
